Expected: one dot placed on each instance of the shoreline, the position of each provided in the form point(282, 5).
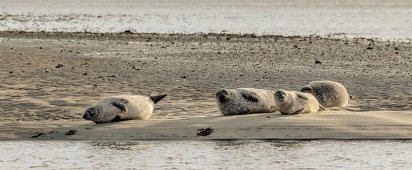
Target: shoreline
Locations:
point(128, 35)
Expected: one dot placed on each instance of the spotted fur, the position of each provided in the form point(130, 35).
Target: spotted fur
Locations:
point(328, 93)
point(125, 107)
point(293, 102)
point(245, 101)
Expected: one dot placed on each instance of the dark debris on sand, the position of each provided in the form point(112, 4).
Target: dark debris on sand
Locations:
point(70, 132)
point(38, 134)
point(204, 132)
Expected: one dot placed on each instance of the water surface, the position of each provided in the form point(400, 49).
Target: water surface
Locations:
point(206, 155)
point(385, 19)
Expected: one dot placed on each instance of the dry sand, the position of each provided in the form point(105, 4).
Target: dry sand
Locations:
point(49, 79)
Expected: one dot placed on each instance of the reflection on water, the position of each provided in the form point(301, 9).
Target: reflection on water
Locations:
point(205, 155)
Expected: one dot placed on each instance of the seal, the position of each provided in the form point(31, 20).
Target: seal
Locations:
point(124, 107)
point(294, 102)
point(328, 93)
point(245, 101)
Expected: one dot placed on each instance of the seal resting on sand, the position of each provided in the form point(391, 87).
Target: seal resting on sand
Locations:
point(124, 107)
point(328, 93)
point(294, 102)
point(245, 101)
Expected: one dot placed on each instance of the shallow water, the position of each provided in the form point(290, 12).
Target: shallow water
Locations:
point(368, 18)
point(206, 155)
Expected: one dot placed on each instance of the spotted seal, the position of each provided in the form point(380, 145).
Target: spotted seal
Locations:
point(245, 101)
point(328, 93)
point(294, 102)
point(124, 107)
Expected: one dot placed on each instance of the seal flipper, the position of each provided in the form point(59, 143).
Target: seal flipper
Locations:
point(298, 111)
point(306, 90)
point(250, 96)
point(351, 97)
point(157, 98)
point(294, 113)
point(117, 118)
point(120, 105)
point(302, 96)
point(321, 107)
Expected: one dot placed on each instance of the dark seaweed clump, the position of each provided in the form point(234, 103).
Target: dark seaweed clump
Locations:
point(204, 132)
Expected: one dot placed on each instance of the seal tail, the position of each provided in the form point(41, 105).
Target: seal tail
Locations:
point(157, 98)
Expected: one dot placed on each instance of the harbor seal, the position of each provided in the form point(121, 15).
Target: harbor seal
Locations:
point(124, 107)
point(245, 101)
point(294, 102)
point(328, 93)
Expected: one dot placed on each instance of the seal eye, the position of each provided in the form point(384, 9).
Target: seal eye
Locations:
point(222, 93)
point(91, 114)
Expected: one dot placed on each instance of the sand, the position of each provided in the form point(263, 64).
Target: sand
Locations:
point(49, 79)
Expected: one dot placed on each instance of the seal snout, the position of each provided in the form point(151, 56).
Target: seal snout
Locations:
point(89, 114)
point(222, 95)
point(280, 96)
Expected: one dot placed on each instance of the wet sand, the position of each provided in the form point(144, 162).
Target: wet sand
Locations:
point(49, 79)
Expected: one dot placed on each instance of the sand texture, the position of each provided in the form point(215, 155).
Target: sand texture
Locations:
point(49, 79)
